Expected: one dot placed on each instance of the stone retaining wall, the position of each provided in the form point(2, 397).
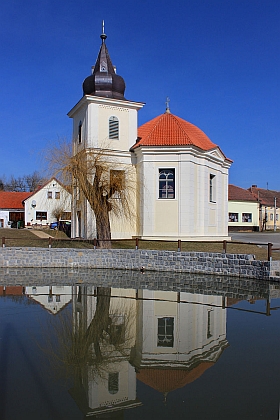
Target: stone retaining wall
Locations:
point(203, 284)
point(237, 265)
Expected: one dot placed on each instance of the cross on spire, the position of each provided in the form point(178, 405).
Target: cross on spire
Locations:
point(167, 105)
point(103, 36)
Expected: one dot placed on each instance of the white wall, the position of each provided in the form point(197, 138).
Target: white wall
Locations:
point(4, 215)
point(39, 202)
point(190, 215)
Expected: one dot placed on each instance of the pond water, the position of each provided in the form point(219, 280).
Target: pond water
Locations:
point(129, 345)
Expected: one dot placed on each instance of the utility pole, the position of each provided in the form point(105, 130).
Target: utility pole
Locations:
point(274, 214)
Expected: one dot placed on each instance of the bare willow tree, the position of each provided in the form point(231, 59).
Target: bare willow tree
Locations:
point(108, 186)
point(58, 212)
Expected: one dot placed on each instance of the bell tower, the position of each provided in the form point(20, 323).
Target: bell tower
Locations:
point(103, 119)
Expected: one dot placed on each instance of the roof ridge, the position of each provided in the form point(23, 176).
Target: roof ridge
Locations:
point(178, 121)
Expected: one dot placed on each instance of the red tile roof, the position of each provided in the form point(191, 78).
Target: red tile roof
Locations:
point(169, 130)
point(265, 197)
point(166, 380)
point(11, 290)
point(13, 200)
point(239, 194)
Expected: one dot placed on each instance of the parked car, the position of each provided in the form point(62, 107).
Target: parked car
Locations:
point(63, 225)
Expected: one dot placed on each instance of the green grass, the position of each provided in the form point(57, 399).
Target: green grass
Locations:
point(25, 238)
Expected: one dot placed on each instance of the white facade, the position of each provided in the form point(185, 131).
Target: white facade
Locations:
point(41, 205)
point(167, 342)
point(191, 213)
point(91, 116)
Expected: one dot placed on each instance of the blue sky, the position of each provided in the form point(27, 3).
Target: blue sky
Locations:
point(217, 60)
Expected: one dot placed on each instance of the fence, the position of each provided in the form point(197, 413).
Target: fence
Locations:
point(94, 243)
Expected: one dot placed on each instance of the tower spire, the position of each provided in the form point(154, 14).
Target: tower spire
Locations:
point(104, 81)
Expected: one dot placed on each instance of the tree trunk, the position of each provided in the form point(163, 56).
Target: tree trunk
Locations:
point(103, 228)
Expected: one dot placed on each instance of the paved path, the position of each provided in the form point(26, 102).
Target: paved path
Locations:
point(40, 233)
point(257, 237)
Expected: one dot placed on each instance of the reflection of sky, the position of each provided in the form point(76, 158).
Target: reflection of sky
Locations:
point(243, 383)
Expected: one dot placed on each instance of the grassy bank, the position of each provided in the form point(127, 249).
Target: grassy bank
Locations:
point(26, 238)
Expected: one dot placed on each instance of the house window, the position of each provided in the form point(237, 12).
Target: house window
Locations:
point(49, 194)
point(247, 217)
point(277, 217)
point(113, 382)
point(271, 216)
point(41, 215)
point(117, 329)
point(57, 195)
point(165, 337)
point(66, 215)
point(233, 217)
point(167, 183)
point(209, 324)
point(113, 128)
point(80, 132)
point(212, 188)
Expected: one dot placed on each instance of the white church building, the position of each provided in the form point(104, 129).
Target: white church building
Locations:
point(181, 176)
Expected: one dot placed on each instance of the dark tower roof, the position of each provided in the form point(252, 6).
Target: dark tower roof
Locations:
point(104, 81)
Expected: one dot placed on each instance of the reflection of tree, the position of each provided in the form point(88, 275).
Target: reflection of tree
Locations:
point(90, 348)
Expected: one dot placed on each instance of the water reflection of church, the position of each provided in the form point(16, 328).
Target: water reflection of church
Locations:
point(164, 339)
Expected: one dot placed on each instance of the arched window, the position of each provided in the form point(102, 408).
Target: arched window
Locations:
point(113, 382)
point(113, 128)
point(167, 183)
point(80, 132)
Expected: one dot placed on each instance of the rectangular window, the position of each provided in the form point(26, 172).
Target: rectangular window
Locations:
point(233, 217)
point(57, 195)
point(167, 183)
point(271, 216)
point(277, 217)
point(247, 217)
point(49, 194)
point(212, 188)
point(41, 215)
point(80, 132)
point(209, 324)
point(66, 215)
point(165, 337)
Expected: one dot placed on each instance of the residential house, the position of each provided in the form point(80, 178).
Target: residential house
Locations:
point(269, 203)
point(12, 208)
point(50, 202)
point(243, 209)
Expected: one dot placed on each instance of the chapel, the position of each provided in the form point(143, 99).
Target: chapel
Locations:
point(181, 176)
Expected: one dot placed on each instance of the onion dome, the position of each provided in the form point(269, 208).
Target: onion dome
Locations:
point(169, 130)
point(104, 81)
